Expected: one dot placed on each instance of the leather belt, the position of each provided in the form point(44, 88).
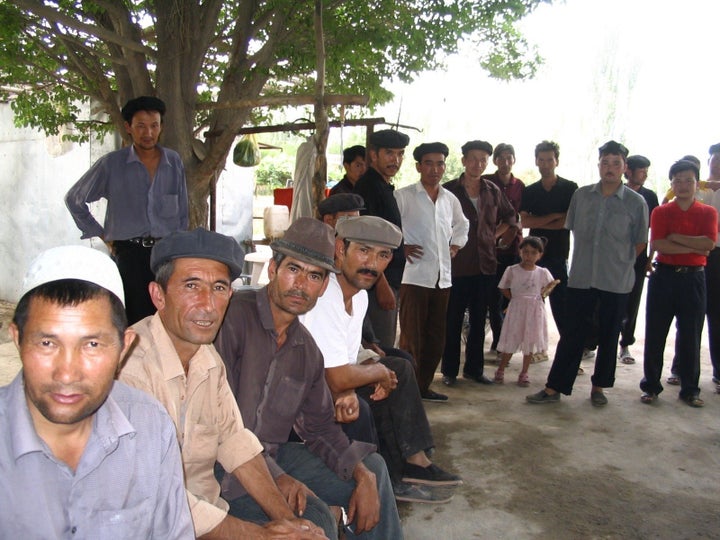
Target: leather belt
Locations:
point(678, 269)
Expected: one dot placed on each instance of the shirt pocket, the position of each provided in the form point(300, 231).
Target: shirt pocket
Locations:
point(122, 523)
point(288, 395)
point(619, 227)
point(169, 206)
point(200, 444)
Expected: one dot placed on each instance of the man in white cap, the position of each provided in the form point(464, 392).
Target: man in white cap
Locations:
point(81, 453)
point(175, 361)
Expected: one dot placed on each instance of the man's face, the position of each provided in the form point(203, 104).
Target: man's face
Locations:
point(637, 177)
point(431, 169)
point(355, 169)
point(387, 161)
point(611, 168)
point(714, 164)
point(361, 264)
point(193, 306)
point(145, 129)
point(70, 355)
point(295, 285)
point(332, 219)
point(546, 163)
point(475, 163)
point(684, 185)
point(504, 162)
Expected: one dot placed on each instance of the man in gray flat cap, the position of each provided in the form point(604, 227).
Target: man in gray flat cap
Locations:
point(434, 228)
point(363, 248)
point(386, 152)
point(175, 361)
point(83, 455)
point(277, 374)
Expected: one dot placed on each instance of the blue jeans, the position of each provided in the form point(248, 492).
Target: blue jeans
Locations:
point(581, 307)
point(297, 461)
point(680, 295)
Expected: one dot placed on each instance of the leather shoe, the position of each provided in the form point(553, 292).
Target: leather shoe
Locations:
point(482, 379)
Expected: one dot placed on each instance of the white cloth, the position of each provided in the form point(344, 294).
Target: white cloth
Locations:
point(337, 333)
point(302, 202)
point(434, 227)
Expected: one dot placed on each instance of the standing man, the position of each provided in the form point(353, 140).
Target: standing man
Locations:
point(474, 267)
point(81, 453)
point(609, 222)
point(386, 151)
point(435, 229)
point(543, 210)
point(355, 166)
point(712, 272)
point(636, 174)
point(144, 185)
point(277, 375)
point(683, 232)
point(507, 253)
point(363, 249)
point(174, 360)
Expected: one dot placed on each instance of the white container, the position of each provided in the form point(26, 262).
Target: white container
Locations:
point(276, 220)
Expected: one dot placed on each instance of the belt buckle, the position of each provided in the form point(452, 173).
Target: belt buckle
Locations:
point(148, 242)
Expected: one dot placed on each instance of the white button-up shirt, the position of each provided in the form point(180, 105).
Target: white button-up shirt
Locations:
point(435, 227)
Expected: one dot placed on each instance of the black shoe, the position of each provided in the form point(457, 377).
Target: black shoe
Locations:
point(430, 475)
point(449, 380)
point(482, 379)
point(433, 396)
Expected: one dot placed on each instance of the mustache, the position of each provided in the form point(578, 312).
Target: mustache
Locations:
point(368, 271)
point(298, 294)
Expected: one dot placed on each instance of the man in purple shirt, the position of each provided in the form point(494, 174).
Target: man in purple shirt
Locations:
point(144, 185)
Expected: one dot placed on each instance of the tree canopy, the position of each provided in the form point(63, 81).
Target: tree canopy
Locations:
point(57, 55)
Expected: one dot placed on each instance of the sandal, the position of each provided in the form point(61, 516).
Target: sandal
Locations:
point(523, 379)
point(648, 397)
point(673, 379)
point(499, 376)
point(694, 401)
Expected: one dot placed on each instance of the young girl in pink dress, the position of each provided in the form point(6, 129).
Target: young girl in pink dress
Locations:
point(525, 326)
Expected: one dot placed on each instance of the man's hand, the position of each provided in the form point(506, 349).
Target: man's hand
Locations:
point(374, 347)
point(386, 385)
point(364, 507)
point(295, 492)
point(295, 529)
point(384, 294)
point(412, 252)
point(347, 407)
point(453, 251)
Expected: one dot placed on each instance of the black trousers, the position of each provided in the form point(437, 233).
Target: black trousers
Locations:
point(133, 262)
point(712, 285)
point(627, 330)
point(557, 266)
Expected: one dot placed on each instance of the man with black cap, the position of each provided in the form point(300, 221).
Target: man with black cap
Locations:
point(474, 267)
point(82, 454)
point(355, 166)
point(434, 228)
point(636, 173)
point(277, 374)
point(363, 248)
point(144, 185)
point(683, 233)
point(341, 204)
point(175, 361)
point(386, 152)
point(609, 222)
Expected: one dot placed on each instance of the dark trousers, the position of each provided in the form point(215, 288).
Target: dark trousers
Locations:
point(712, 285)
point(627, 329)
point(557, 266)
point(472, 293)
point(422, 328)
point(363, 429)
point(382, 321)
point(680, 295)
point(498, 303)
point(581, 307)
point(133, 262)
point(400, 419)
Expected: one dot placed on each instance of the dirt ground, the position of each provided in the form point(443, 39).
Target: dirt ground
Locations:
point(565, 470)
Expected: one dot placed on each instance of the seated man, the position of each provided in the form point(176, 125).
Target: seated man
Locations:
point(362, 251)
point(83, 454)
point(276, 373)
point(174, 360)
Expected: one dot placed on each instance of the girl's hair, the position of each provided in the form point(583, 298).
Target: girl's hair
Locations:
point(538, 242)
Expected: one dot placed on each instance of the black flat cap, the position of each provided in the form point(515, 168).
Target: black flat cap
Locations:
point(430, 148)
point(637, 162)
point(341, 202)
point(389, 138)
point(199, 244)
point(614, 148)
point(477, 145)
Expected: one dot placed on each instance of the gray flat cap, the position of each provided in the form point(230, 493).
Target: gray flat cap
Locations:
point(311, 241)
point(371, 230)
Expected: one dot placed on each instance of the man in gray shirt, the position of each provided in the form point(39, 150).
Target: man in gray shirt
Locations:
point(609, 222)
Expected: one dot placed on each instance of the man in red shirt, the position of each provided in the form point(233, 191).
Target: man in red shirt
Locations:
point(682, 232)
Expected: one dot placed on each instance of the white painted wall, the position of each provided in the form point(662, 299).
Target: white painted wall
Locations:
point(38, 171)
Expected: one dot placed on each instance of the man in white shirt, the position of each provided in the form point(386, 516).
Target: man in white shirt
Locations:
point(434, 228)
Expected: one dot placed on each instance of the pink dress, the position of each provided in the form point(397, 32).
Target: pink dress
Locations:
point(525, 326)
